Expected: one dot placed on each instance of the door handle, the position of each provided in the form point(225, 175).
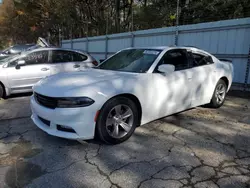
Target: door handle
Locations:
point(45, 69)
point(76, 66)
point(189, 78)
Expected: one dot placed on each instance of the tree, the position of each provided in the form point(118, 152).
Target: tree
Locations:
point(23, 21)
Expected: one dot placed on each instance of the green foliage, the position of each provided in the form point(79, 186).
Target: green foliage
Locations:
point(23, 21)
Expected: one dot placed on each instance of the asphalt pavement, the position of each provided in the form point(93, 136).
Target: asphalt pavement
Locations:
point(199, 148)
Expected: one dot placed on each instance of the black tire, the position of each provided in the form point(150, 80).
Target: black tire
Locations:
point(214, 101)
point(102, 131)
point(1, 91)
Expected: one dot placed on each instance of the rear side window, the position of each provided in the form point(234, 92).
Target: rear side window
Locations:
point(79, 57)
point(200, 60)
point(60, 56)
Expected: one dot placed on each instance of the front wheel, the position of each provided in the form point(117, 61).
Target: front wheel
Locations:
point(1, 92)
point(117, 120)
point(219, 94)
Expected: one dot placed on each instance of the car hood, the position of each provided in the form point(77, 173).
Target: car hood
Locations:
point(79, 83)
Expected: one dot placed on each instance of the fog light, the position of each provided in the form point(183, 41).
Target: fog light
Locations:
point(65, 128)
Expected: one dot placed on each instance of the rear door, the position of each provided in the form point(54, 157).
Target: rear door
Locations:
point(68, 61)
point(55, 66)
point(24, 77)
point(203, 70)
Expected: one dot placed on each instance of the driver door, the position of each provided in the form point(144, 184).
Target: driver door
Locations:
point(173, 91)
point(22, 78)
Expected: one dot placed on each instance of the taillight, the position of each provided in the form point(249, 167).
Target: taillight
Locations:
point(95, 63)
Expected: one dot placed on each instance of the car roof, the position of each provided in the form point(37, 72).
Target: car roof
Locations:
point(150, 47)
point(22, 46)
point(16, 45)
point(192, 48)
point(56, 48)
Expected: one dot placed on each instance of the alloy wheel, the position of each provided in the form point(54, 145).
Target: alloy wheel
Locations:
point(119, 121)
point(220, 93)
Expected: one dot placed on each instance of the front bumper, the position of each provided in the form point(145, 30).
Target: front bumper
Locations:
point(80, 121)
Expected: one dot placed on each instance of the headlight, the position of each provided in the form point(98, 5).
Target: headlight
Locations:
point(74, 102)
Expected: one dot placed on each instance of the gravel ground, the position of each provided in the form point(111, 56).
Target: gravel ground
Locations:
point(199, 148)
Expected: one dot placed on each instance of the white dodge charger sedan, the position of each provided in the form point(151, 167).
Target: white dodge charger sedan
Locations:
point(131, 88)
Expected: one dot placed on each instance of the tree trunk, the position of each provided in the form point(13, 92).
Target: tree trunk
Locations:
point(117, 15)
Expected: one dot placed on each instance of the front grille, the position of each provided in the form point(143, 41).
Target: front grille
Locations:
point(45, 121)
point(48, 102)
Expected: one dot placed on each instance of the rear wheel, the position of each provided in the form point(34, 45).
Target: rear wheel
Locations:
point(219, 94)
point(117, 120)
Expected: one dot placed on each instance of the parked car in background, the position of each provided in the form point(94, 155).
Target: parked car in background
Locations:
point(131, 88)
point(19, 73)
point(16, 49)
point(19, 48)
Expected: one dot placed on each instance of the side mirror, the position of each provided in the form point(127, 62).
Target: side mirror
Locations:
point(101, 60)
point(19, 64)
point(166, 68)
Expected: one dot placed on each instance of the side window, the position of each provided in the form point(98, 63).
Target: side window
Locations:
point(60, 56)
point(200, 60)
point(34, 58)
point(79, 57)
point(178, 58)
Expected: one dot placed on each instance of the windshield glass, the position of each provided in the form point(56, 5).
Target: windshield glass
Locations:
point(8, 59)
point(131, 60)
point(7, 49)
point(1, 62)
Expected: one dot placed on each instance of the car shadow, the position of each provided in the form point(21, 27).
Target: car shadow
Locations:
point(19, 95)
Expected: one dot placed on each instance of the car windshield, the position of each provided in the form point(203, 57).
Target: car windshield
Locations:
point(131, 60)
point(8, 59)
point(1, 62)
point(7, 49)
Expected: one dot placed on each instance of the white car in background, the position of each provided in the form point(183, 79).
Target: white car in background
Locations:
point(20, 72)
point(131, 88)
